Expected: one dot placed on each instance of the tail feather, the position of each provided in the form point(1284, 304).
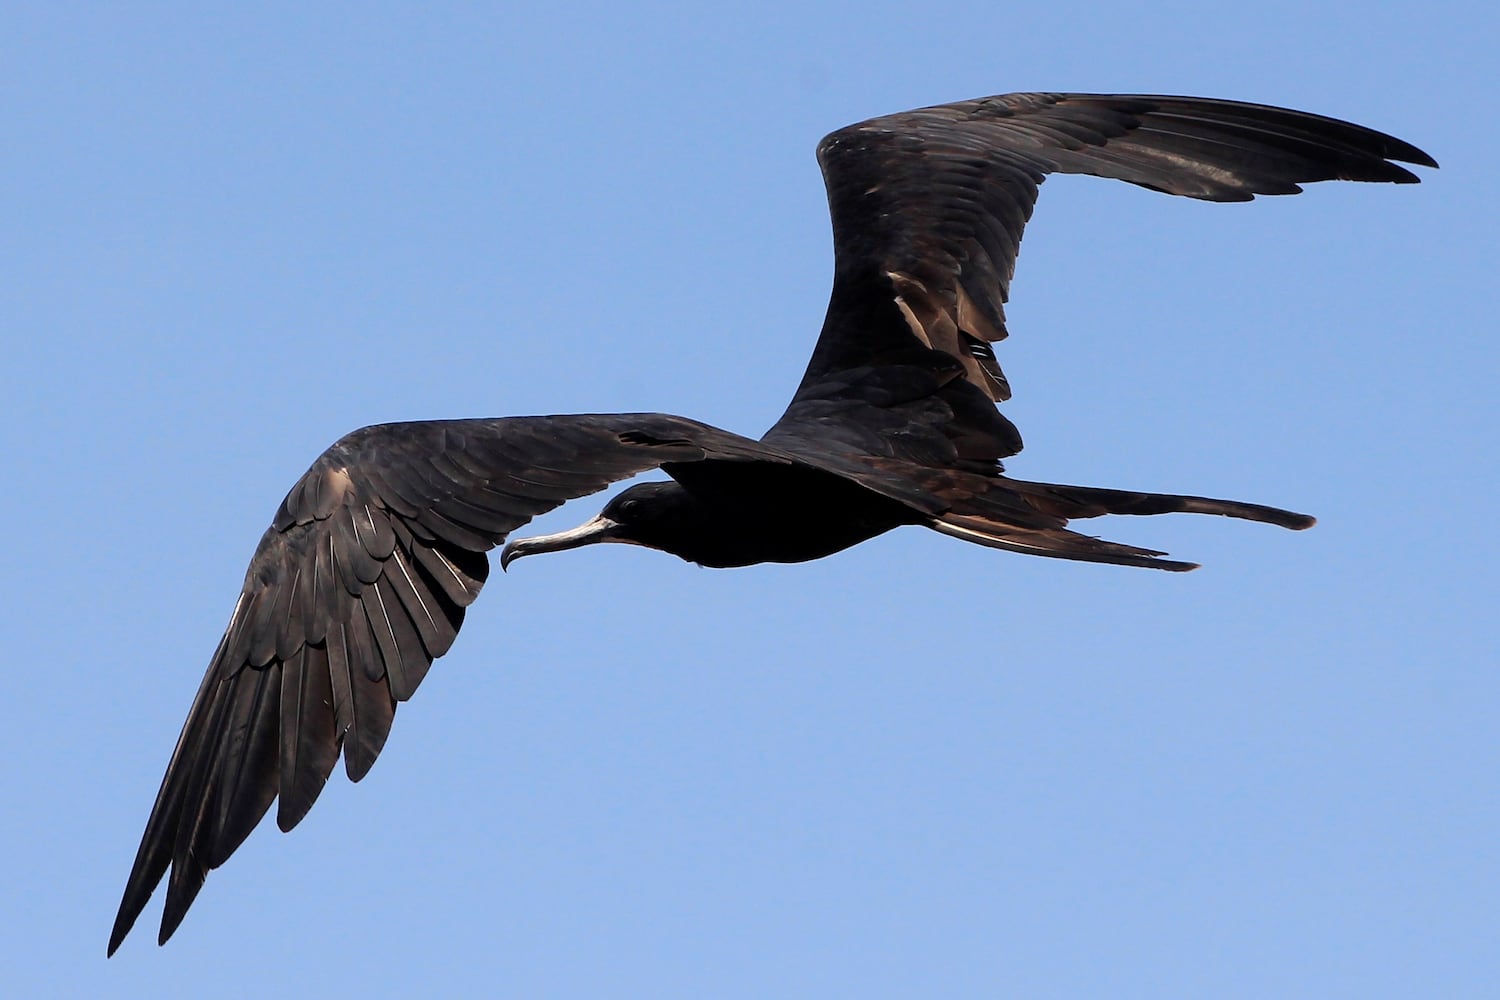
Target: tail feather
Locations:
point(1055, 543)
point(1091, 501)
point(1030, 517)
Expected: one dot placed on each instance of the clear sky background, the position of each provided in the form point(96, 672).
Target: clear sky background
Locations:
point(916, 769)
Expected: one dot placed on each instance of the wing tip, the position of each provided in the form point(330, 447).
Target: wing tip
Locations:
point(117, 934)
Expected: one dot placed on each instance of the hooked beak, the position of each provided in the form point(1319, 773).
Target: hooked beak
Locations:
point(600, 529)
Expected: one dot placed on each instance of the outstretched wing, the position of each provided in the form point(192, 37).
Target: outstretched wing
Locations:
point(358, 585)
point(928, 208)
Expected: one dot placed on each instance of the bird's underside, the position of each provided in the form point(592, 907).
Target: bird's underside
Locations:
point(365, 574)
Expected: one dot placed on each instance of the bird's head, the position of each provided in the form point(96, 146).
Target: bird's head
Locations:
point(657, 515)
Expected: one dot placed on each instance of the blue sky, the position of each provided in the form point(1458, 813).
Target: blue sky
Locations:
point(918, 768)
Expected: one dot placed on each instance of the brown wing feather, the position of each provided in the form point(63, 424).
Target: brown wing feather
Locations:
point(928, 209)
point(358, 585)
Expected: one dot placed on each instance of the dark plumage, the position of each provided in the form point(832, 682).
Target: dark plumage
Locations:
point(364, 576)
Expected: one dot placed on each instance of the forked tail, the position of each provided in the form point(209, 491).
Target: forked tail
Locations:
point(990, 518)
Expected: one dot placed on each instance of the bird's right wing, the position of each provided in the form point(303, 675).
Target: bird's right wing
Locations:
point(358, 585)
point(928, 209)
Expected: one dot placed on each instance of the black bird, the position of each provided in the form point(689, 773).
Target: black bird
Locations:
point(363, 577)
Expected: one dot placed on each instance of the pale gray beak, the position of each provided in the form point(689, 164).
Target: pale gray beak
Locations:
point(600, 529)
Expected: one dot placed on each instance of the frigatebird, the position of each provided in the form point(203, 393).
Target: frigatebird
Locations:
point(364, 576)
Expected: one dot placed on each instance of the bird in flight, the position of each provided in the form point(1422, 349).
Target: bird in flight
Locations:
point(364, 576)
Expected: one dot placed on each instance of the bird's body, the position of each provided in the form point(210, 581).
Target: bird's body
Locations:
point(365, 574)
point(726, 515)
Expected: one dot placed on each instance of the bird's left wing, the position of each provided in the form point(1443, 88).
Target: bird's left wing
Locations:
point(928, 209)
point(358, 585)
